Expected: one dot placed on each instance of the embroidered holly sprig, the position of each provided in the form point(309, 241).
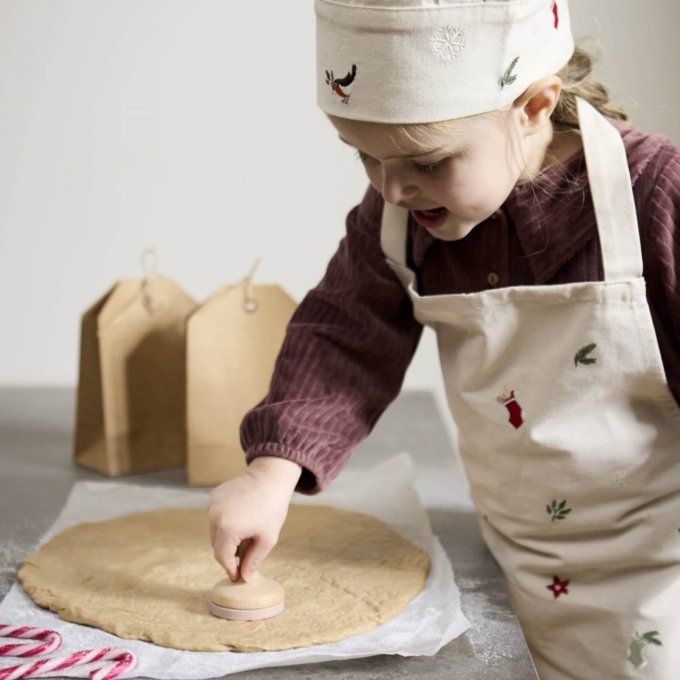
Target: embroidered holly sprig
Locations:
point(637, 646)
point(558, 511)
point(509, 77)
point(581, 357)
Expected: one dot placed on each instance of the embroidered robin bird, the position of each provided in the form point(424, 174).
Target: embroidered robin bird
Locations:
point(340, 85)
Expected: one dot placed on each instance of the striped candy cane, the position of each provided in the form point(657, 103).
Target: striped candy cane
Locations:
point(50, 640)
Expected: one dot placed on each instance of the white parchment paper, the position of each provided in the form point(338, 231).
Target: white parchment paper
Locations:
point(430, 620)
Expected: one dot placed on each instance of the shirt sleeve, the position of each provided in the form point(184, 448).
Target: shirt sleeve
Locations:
point(342, 361)
point(660, 229)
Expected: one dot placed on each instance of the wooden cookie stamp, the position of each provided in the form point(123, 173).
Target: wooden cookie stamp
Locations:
point(258, 598)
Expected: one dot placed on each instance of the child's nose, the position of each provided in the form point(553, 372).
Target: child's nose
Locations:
point(395, 189)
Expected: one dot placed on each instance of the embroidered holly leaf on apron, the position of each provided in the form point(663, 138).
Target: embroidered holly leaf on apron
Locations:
point(638, 645)
point(558, 511)
point(581, 357)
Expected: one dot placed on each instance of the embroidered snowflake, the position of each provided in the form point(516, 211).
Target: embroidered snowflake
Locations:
point(448, 42)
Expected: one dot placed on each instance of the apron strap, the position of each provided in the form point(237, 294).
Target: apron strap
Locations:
point(394, 232)
point(612, 193)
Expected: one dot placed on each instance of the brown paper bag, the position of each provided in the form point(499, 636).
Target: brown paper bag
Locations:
point(233, 340)
point(131, 401)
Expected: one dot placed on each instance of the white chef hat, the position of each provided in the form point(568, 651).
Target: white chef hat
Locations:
point(419, 61)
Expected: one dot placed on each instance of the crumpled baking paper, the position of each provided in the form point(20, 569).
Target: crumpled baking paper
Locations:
point(429, 621)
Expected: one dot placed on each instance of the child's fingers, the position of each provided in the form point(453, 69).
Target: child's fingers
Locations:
point(225, 552)
point(260, 546)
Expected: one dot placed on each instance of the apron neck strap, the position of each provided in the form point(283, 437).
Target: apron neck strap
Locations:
point(394, 232)
point(612, 194)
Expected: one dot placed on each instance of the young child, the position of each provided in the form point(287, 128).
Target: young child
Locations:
point(511, 209)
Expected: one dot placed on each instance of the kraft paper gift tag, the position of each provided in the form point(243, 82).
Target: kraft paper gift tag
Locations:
point(232, 344)
point(131, 401)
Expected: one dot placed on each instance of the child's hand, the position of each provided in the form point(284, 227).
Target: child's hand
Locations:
point(251, 506)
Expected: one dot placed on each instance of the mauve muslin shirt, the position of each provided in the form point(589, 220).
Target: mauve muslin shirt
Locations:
point(351, 339)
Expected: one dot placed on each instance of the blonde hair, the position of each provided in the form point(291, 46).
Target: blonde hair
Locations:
point(577, 81)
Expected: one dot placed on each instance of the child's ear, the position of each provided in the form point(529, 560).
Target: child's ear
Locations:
point(536, 104)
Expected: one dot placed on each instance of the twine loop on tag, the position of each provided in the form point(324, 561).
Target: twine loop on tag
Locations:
point(149, 260)
point(249, 303)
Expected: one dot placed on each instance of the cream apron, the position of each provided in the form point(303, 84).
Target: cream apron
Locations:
point(570, 439)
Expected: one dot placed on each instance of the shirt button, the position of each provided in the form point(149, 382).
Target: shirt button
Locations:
point(492, 278)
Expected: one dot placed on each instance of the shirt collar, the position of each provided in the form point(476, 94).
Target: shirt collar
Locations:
point(553, 217)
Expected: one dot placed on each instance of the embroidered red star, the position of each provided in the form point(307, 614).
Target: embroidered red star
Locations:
point(558, 587)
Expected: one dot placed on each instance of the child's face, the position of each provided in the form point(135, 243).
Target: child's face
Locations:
point(469, 169)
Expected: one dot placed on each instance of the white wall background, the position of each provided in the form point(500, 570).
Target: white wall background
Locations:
point(191, 126)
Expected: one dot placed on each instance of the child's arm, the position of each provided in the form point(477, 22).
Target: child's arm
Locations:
point(343, 359)
point(658, 205)
point(342, 362)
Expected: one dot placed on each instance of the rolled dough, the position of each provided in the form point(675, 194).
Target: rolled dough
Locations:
point(147, 576)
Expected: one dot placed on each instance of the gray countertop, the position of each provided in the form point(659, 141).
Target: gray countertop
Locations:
point(36, 475)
